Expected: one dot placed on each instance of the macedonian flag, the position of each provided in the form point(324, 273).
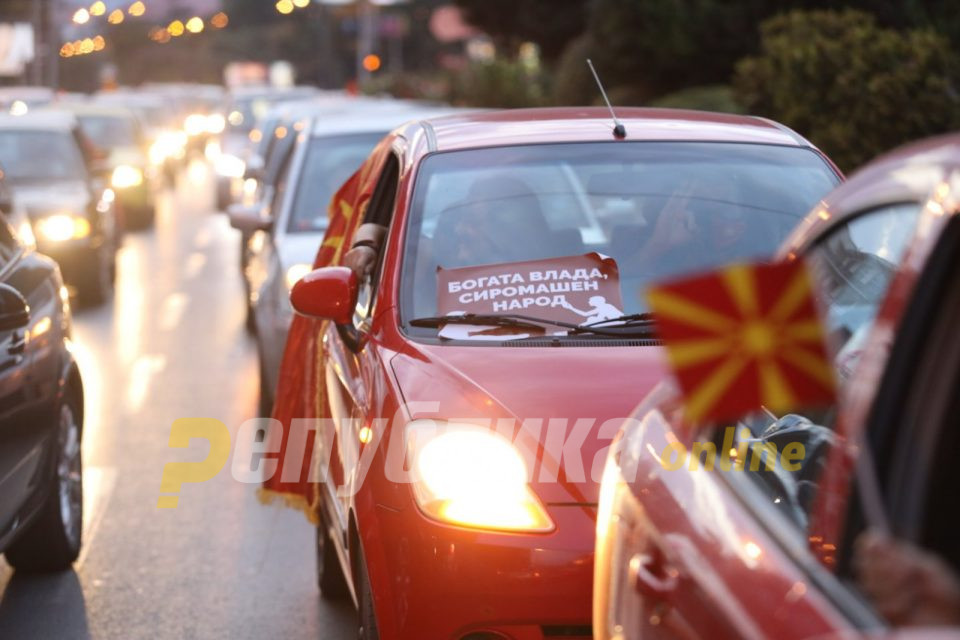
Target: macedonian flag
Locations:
point(745, 337)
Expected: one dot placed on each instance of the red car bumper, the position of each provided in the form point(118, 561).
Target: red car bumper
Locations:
point(436, 581)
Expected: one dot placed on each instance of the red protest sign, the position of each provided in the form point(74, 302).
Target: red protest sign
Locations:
point(576, 289)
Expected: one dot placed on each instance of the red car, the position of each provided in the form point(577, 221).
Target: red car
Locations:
point(499, 343)
point(770, 553)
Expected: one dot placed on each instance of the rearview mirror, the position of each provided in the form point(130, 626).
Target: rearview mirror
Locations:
point(248, 219)
point(327, 293)
point(14, 312)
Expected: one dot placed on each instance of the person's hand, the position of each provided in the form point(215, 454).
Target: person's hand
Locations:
point(906, 585)
point(361, 260)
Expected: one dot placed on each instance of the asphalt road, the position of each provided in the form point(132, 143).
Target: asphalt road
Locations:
point(171, 344)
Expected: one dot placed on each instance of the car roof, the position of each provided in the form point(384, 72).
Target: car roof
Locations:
point(39, 120)
point(583, 124)
point(372, 116)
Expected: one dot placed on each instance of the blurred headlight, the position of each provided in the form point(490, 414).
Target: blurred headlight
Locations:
point(229, 166)
point(195, 124)
point(25, 233)
point(62, 227)
point(296, 272)
point(168, 144)
point(125, 176)
point(469, 476)
point(216, 123)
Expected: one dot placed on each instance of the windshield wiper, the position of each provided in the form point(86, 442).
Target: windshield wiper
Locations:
point(488, 319)
point(629, 319)
point(629, 328)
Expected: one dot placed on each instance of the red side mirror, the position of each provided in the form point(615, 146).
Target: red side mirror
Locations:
point(329, 293)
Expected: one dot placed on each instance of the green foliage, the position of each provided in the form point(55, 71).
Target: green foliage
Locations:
point(498, 84)
point(854, 88)
point(719, 98)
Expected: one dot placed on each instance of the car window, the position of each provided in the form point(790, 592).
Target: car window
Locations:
point(329, 161)
point(110, 132)
point(656, 209)
point(40, 155)
point(852, 266)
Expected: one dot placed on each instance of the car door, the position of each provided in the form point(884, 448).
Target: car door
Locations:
point(30, 349)
point(352, 359)
point(720, 549)
point(263, 256)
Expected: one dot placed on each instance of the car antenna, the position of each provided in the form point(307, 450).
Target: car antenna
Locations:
point(619, 131)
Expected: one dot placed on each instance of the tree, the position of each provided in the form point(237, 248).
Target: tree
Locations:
point(854, 88)
point(551, 24)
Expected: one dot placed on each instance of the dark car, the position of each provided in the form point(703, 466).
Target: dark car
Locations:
point(41, 413)
point(71, 213)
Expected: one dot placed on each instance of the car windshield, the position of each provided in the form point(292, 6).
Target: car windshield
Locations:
point(627, 213)
point(110, 132)
point(330, 161)
point(40, 155)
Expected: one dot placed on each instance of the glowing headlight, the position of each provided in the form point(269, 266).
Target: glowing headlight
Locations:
point(470, 476)
point(61, 227)
point(168, 144)
point(229, 166)
point(296, 272)
point(25, 233)
point(126, 176)
point(195, 124)
point(216, 123)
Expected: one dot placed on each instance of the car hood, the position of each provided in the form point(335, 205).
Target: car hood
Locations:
point(50, 196)
point(597, 387)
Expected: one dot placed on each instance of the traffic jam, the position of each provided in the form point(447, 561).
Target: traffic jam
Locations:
point(306, 347)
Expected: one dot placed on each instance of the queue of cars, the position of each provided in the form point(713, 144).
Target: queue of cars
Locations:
point(462, 296)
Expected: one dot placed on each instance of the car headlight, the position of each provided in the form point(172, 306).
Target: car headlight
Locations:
point(168, 144)
point(25, 233)
point(229, 166)
point(216, 123)
point(61, 227)
point(296, 272)
point(125, 176)
point(195, 124)
point(470, 476)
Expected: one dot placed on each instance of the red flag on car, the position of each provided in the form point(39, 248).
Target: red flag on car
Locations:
point(744, 338)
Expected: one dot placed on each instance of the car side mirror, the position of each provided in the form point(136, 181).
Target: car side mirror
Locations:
point(248, 219)
point(328, 293)
point(14, 312)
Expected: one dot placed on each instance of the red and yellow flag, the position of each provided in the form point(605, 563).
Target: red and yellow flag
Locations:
point(745, 337)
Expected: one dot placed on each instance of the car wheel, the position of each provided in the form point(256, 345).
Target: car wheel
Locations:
point(330, 579)
point(53, 541)
point(366, 616)
point(95, 282)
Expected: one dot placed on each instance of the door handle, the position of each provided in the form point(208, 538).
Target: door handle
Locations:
point(650, 577)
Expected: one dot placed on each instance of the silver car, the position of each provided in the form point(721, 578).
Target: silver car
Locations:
point(285, 235)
